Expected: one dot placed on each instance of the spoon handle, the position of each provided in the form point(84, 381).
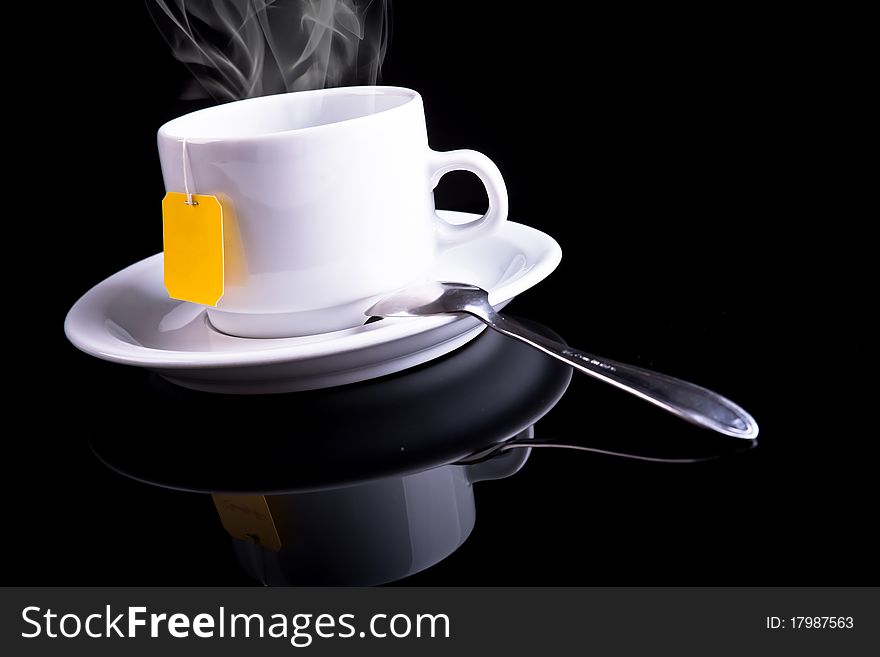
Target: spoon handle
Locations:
point(686, 400)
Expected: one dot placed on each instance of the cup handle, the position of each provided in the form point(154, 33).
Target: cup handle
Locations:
point(442, 163)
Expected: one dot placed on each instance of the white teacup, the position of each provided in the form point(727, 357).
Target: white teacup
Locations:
point(332, 198)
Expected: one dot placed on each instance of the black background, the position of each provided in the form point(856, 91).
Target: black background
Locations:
point(689, 163)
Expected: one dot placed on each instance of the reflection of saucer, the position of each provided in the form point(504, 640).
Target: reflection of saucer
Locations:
point(482, 395)
point(129, 319)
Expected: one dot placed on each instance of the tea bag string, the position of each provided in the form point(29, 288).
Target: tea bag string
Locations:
point(189, 197)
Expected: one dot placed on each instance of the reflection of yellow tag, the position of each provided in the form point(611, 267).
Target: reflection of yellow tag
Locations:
point(249, 518)
point(193, 236)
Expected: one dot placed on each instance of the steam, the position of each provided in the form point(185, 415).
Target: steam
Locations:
point(244, 48)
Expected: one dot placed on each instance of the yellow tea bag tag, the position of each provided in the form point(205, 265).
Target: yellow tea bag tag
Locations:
point(193, 238)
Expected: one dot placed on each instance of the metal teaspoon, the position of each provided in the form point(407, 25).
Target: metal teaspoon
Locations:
point(688, 401)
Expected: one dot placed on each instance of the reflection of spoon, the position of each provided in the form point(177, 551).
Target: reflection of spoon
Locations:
point(686, 400)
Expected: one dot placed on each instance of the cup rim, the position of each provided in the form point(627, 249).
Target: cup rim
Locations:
point(167, 130)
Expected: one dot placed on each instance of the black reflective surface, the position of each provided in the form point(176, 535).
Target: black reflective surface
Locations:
point(440, 412)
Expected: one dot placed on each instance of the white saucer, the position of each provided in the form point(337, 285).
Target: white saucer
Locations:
point(130, 319)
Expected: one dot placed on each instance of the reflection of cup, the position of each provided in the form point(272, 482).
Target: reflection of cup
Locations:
point(332, 197)
point(374, 532)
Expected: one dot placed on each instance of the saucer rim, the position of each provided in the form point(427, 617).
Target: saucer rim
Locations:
point(82, 329)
